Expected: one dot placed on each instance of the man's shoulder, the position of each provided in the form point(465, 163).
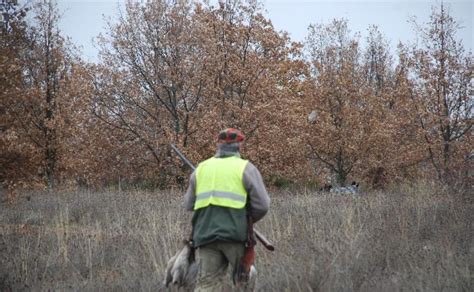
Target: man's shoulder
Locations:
point(250, 168)
point(205, 161)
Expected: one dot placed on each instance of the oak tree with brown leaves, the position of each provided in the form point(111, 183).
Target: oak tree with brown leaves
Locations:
point(442, 92)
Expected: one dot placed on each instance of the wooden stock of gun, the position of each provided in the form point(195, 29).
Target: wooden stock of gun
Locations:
point(260, 237)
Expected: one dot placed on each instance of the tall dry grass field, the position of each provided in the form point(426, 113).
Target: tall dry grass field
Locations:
point(415, 238)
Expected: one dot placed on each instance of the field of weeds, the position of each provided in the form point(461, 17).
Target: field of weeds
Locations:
point(416, 238)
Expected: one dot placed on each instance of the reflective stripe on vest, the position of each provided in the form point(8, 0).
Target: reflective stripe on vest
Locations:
point(219, 182)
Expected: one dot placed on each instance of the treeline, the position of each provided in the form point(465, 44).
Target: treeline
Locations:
point(332, 109)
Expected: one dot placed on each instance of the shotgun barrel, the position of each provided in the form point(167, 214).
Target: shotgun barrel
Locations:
point(266, 243)
point(183, 158)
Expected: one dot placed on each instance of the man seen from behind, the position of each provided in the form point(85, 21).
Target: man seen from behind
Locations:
point(222, 191)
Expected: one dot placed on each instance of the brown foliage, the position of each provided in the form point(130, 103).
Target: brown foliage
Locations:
point(442, 93)
point(178, 72)
point(206, 69)
point(352, 129)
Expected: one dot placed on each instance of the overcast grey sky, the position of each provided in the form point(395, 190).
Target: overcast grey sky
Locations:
point(84, 20)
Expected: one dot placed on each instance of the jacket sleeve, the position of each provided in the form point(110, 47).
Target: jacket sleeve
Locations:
point(190, 197)
point(258, 196)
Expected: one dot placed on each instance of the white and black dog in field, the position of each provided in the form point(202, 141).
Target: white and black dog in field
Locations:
point(353, 189)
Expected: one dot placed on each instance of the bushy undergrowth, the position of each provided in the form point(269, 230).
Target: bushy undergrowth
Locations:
point(410, 238)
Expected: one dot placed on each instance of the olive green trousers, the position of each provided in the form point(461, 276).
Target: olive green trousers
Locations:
point(213, 260)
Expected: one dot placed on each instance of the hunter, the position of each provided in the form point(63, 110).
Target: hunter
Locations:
point(225, 192)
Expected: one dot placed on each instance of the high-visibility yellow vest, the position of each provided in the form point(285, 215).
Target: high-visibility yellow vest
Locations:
point(219, 182)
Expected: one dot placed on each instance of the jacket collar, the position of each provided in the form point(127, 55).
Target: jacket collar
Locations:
point(227, 150)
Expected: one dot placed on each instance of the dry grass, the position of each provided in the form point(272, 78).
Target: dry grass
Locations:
point(413, 238)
